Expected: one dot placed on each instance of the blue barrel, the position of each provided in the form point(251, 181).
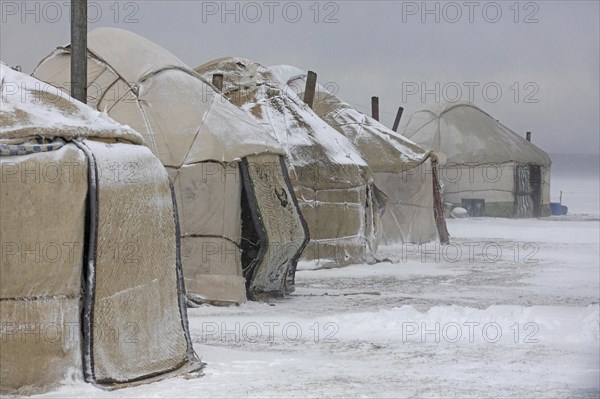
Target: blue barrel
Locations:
point(555, 208)
point(564, 210)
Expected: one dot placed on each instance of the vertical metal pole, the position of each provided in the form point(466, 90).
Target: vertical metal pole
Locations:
point(375, 108)
point(309, 89)
point(217, 81)
point(528, 136)
point(397, 121)
point(79, 50)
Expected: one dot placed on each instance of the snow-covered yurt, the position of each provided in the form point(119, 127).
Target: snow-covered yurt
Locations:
point(90, 279)
point(333, 182)
point(401, 169)
point(490, 170)
point(241, 228)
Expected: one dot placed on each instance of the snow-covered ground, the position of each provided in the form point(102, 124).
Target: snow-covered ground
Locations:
point(510, 309)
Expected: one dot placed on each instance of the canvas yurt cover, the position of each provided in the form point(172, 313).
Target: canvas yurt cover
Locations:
point(401, 169)
point(333, 182)
point(240, 223)
point(91, 280)
point(490, 170)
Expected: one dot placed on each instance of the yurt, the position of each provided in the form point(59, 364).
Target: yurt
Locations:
point(333, 182)
point(91, 282)
point(401, 169)
point(241, 228)
point(490, 170)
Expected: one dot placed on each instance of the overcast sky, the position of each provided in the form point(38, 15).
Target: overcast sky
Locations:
point(532, 65)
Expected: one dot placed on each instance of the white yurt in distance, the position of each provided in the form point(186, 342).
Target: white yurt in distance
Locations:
point(490, 170)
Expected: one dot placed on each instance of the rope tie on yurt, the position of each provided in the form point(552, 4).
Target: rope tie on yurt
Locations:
point(34, 146)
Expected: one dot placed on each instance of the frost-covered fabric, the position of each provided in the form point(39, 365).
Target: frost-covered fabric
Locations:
point(400, 167)
point(31, 108)
point(41, 268)
point(182, 118)
point(196, 133)
point(136, 293)
point(331, 178)
point(90, 275)
point(276, 203)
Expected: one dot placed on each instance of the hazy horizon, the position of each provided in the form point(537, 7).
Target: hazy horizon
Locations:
point(532, 65)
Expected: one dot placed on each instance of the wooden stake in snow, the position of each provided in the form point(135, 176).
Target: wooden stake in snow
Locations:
point(79, 50)
point(528, 136)
point(217, 81)
point(438, 207)
point(375, 107)
point(397, 120)
point(309, 89)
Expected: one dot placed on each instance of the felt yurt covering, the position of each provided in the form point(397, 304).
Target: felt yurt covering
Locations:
point(401, 169)
point(333, 182)
point(240, 224)
point(91, 283)
point(490, 170)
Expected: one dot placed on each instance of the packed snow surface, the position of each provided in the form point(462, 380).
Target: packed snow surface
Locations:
point(510, 309)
